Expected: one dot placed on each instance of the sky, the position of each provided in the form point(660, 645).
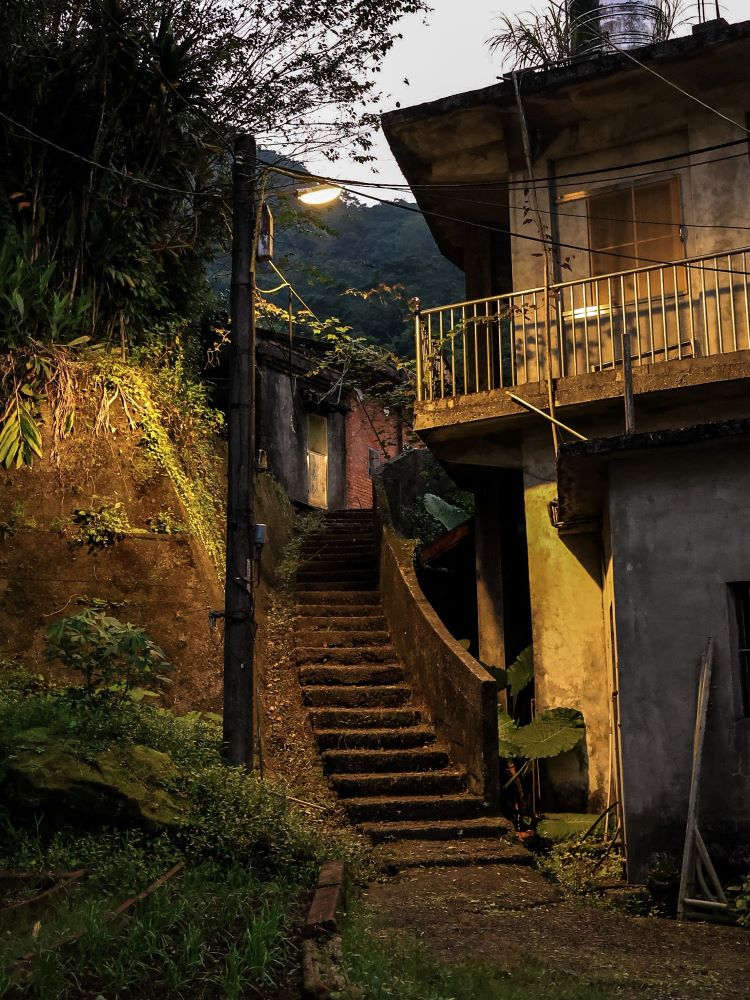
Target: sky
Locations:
point(448, 55)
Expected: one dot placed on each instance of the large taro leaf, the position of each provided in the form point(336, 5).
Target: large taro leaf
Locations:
point(521, 671)
point(551, 733)
point(506, 733)
point(449, 516)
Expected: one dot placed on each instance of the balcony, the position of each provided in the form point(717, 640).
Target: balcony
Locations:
point(694, 308)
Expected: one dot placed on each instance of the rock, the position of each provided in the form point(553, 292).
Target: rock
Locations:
point(122, 786)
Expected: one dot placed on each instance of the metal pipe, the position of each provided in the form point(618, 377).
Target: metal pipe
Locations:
point(553, 420)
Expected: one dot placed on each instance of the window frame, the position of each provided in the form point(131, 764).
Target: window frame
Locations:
point(674, 183)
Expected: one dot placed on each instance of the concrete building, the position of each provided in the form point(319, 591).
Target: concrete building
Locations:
point(321, 439)
point(627, 253)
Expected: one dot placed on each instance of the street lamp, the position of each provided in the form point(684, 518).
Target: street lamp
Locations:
point(248, 221)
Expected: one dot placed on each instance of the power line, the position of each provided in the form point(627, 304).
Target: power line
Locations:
point(554, 243)
point(104, 166)
point(673, 85)
point(556, 180)
point(520, 185)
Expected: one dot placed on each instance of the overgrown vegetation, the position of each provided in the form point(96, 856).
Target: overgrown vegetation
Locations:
point(225, 927)
point(110, 654)
point(581, 866)
point(100, 527)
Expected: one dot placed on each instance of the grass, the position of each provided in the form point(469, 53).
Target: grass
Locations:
point(226, 927)
point(399, 967)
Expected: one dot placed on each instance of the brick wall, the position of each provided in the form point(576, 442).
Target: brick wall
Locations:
point(367, 427)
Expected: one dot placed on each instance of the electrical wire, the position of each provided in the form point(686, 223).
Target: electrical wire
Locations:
point(557, 180)
point(670, 83)
point(352, 190)
point(556, 243)
point(103, 166)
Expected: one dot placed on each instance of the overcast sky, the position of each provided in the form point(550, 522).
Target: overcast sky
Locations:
point(448, 56)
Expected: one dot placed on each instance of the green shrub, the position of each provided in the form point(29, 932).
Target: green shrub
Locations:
point(740, 901)
point(107, 652)
point(165, 523)
point(581, 866)
point(100, 527)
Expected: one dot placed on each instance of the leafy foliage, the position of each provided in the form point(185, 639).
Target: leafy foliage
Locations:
point(507, 728)
point(521, 671)
point(100, 527)
point(581, 866)
point(107, 652)
point(550, 733)
point(549, 37)
point(740, 901)
point(448, 515)
point(165, 522)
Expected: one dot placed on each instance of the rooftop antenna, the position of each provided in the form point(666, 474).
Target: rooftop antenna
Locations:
point(702, 10)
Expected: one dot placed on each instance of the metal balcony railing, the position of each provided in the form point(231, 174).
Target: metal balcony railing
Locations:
point(692, 308)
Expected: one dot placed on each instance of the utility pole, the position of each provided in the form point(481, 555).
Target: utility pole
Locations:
point(239, 626)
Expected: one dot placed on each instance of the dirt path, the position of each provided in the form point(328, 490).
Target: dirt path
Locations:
point(469, 913)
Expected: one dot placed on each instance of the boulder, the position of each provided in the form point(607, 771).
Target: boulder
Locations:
point(52, 779)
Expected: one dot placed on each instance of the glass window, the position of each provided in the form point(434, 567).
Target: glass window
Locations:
point(634, 228)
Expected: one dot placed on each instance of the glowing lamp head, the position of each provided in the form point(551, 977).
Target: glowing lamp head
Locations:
point(319, 194)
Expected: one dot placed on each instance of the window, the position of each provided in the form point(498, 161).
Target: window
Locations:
point(632, 228)
point(741, 599)
point(373, 461)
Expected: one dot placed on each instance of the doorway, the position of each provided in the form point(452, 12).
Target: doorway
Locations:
point(317, 461)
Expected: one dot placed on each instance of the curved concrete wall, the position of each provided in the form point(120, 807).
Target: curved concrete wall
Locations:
point(459, 696)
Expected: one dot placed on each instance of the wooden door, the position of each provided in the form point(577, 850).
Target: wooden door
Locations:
point(317, 460)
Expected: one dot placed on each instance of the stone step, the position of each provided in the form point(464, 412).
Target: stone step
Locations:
point(353, 740)
point(365, 585)
point(364, 718)
point(343, 529)
point(396, 856)
point(355, 623)
point(336, 561)
point(318, 572)
point(336, 598)
point(444, 829)
point(427, 783)
point(322, 638)
point(340, 673)
point(414, 807)
point(350, 611)
point(360, 761)
point(357, 696)
point(347, 654)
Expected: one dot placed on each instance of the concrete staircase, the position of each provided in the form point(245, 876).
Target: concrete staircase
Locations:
point(381, 755)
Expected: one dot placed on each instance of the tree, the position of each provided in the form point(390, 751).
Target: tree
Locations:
point(116, 121)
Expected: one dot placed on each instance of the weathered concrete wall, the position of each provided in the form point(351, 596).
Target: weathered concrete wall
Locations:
point(282, 432)
point(678, 536)
point(459, 695)
point(712, 194)
point(567, 625)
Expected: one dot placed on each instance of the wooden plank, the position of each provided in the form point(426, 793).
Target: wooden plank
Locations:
point(698, 872)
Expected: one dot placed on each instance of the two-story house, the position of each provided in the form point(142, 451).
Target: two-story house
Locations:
point(601, 213)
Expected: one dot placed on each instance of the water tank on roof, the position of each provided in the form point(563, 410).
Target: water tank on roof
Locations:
point(598, 25)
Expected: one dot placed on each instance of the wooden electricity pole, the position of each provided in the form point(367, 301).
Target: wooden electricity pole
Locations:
point(239, 626)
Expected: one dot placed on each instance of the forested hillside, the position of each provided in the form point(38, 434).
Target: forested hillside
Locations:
point(354, 246)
